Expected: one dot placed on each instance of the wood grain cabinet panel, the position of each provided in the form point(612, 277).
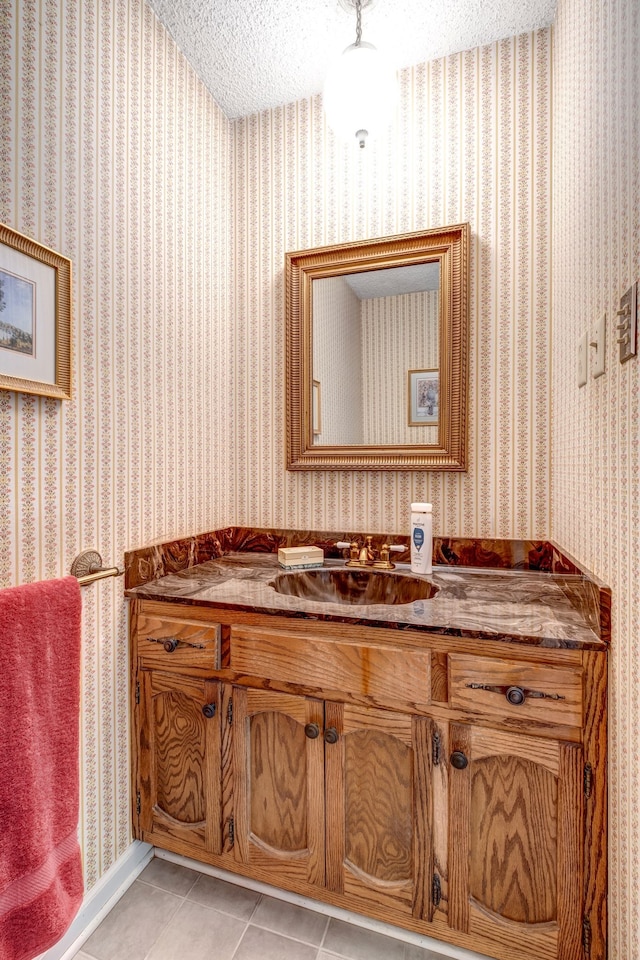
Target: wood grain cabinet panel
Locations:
point(514, 690)
point(178, 795)
point(384, 674)
point(516, 822)
point(336, 795)
point(379, 810)
point(169, 642)
point(278, 779)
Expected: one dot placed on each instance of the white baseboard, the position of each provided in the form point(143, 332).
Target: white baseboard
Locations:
point(387, 929)
point(101, 899)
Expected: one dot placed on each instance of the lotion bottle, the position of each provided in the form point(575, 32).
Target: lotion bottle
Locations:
point(421, 538)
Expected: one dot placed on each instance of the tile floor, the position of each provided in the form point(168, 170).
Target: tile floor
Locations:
point(173, 913)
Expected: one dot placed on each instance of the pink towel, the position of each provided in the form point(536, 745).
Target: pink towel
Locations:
point(40, 868)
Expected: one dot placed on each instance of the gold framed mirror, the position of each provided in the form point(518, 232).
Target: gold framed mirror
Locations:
point(376, 332)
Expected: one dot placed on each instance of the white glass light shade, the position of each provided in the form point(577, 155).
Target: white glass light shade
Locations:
point(360, 93)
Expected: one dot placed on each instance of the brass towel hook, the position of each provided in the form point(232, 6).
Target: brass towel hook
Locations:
point(87, 567)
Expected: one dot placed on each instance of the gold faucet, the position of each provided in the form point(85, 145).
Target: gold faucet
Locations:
point(365, 555)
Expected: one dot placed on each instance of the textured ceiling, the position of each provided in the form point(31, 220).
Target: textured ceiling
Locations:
point(394, 280)
point(255, 54)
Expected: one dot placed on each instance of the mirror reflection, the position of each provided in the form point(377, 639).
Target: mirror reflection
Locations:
point(376, 341)
point(376, 356)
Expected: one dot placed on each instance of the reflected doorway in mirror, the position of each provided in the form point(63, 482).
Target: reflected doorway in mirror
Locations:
point(423, 397)
point(317, 412)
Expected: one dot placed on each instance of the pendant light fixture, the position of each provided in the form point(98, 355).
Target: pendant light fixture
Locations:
point(361, 90)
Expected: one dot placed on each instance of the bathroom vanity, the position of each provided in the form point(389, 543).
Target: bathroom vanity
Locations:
point(438, 764)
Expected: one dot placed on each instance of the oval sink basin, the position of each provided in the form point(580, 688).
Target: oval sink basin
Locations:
point(353, 586)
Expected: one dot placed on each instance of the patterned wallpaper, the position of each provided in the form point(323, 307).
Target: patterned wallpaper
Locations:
point(116, 156)
point(398, 334)
point(113, 153)
point(337, 360)
point(471, 143)
point(596, 429)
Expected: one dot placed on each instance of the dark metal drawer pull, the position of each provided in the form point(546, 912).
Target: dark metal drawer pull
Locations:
point(209, 710)
point(516, 695)
point(172, 643)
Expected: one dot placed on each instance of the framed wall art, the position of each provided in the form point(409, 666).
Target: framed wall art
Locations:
point(424, 397)
point(35, 317)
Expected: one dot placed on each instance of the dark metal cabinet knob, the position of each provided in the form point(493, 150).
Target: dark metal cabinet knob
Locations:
point(209, 710)
point(331, 735)
point(516, 696)
point(458, 760)
point(312, 730)
point(170, 644)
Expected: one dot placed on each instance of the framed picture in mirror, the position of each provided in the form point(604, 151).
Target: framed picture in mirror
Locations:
point(423, 396)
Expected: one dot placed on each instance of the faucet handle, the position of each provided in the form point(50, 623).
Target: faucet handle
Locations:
point(397, 548)
point(352, 547)
point(384, 560)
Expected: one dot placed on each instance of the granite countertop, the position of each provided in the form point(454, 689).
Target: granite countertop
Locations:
point(522, 606)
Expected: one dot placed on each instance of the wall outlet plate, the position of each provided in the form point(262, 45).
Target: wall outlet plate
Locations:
point(598, 342)
point(582, 360)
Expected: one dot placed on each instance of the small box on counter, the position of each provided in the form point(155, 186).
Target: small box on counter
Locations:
point(300, 558)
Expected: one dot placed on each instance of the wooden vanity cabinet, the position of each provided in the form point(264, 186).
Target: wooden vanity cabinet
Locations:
point(459, 812)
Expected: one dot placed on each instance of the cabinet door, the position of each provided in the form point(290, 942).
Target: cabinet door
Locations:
point(279, 785)
point(179, 762)
point(515, 843)
point(379, 801)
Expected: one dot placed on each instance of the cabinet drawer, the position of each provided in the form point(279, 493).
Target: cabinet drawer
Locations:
point(386, 674)
point(503, 688)
point(178, 641)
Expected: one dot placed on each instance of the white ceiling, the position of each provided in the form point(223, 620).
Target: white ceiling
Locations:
point(256, 54)
point(394, 280)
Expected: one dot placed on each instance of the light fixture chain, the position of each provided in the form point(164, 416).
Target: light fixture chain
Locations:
point(358, 22)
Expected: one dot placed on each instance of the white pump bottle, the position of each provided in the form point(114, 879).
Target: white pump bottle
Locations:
point(421, 538)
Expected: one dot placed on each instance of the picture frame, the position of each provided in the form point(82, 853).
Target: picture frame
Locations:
point(317, 412)
point(35, 317)
point(423, 388)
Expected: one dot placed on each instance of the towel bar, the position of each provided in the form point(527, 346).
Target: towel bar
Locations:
point(87, 567)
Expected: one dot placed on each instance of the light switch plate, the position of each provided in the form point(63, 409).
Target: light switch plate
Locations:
point(598, 342)
point(628, 324)
point(582, 360)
